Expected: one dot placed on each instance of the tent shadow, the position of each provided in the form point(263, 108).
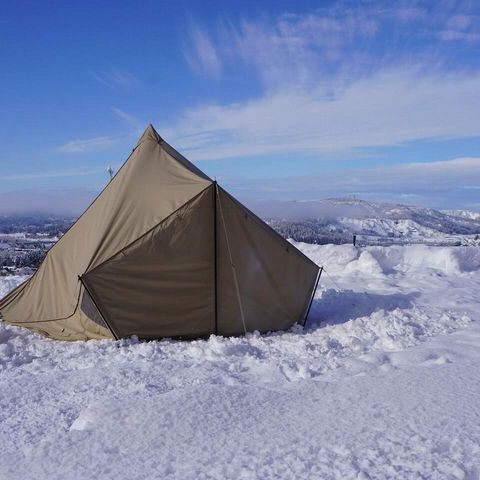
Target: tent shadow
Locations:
point(337, 307)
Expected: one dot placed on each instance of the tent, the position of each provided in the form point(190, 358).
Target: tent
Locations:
point(164, 251)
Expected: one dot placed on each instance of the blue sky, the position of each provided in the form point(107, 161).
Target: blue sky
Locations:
point(276, 99)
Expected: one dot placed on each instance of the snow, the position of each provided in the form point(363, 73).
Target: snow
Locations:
point(9, 283)
point(377, 223)
point(463, 214)
point(382, 383)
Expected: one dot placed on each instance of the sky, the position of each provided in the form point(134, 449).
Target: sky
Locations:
point(289, 100)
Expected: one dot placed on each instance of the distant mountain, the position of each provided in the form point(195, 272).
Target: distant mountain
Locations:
point(336, 220)
point(463, 214)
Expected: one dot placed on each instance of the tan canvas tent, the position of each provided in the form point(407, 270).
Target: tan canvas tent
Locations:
point(164, 251)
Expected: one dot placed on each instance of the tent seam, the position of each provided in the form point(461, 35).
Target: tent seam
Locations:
point(146, 233)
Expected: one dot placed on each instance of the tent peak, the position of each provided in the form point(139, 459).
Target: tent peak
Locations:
point(150, 134)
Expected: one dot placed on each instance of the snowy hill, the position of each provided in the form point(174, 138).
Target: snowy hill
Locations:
point(382, 383)
point(463, 214)
point(337, 220)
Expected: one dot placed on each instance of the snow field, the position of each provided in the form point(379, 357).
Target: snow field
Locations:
point(382, 383)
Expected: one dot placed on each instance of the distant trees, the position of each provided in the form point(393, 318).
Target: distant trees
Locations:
point(311, 231)
point(34, 224)
point(6, 259)
point(32, 258)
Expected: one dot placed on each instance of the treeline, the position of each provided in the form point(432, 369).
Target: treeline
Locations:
point(311, 231)
point(32, 258)
point(32, 225)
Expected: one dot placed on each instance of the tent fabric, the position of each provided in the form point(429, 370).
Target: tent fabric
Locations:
point(148, 258)
point(274, 278)
point(164, 282)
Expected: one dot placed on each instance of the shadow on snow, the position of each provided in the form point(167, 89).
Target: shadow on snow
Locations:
point(335, 307)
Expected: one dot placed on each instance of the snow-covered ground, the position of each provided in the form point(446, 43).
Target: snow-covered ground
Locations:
point(382, 383)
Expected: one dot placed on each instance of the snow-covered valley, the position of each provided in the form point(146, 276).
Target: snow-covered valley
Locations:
point(382, 383)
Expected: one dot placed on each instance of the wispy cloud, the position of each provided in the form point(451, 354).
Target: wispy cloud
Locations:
point(128, 119)
point(202, 54)
point(404, 13)
point(389, 107)
point(297, 48)
point(336, 79)
point(463, 27)
point(458, 35)
point(443, 184)
point(87, 145)
point(419, 177)
point(438, 184)
point(55, 174)
point(459, 22)
point(116, 79)
point(342, 41)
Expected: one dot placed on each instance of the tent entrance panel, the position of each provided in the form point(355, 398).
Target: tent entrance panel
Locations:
point(90, 310)
point(274, 281)
point(163, 284)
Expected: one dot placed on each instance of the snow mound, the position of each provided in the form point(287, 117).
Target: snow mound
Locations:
point(468, 259)
point(388, 260)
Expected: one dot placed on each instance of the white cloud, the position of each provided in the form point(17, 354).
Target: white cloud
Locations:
point(461, 172)
point(296, 47)
point(202, 55)
point(457, 35)
point(330, 85)
point(87, 145)
point(116, 79)
point(459, 22)
point(341, 40)
point(390, 107)
point(127, 118)
point(405, 13)
point(460, 166)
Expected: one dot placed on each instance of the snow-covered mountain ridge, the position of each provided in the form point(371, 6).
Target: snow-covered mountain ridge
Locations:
point(463, 214)
point(336, 220)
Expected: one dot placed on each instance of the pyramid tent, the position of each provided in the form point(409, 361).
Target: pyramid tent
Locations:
point(164, 251)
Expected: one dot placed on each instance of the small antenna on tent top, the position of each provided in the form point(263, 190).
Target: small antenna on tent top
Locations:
point(110, 171)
